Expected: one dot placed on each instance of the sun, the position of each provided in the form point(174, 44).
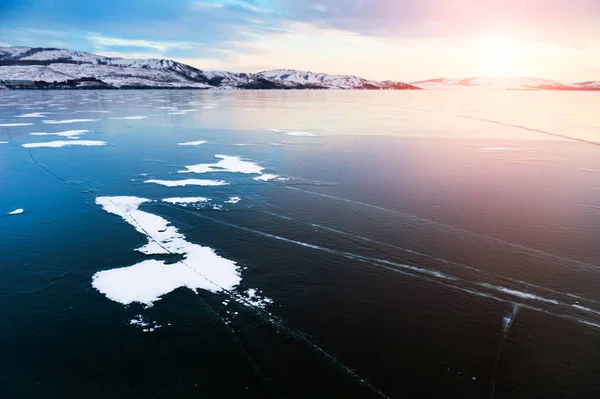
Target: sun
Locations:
point(498, 56)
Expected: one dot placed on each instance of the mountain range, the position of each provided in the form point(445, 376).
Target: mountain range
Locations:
point(52, 68)
point(25, 67)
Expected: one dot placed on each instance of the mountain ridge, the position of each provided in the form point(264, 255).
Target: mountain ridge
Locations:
point(40, 67)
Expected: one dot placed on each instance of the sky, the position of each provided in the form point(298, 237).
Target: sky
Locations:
point(405, 40)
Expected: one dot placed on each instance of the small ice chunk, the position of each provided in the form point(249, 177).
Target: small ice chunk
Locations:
point(233, 200)
point(17, 211)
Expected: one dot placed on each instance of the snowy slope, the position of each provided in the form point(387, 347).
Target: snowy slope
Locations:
point(293, 78)
point(50, 65)
point(591, 85)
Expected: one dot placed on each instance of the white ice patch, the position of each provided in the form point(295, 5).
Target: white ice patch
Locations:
point(132, 118)
point(147, 281)
point(15, 124)
point(57, 144)
point(226, 164)
point(183, 112)
point(3, 142)
point(233, 200)
point(192, 143)
point(301, 134)
point(52, 122)
point(266, 177)
point(188, 182)
point(185, 200)
point(72, 134)
point(17, 211)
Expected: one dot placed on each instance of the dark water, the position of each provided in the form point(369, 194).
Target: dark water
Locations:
point(408, 251)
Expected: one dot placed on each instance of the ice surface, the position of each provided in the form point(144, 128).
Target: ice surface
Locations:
point(52, 122)
point(233, 200)
point(147, 281)
point(187, 182)
point(17, 211)
point(192, 143)
point(185, 200)
point(72, 134)
point(226, 164)
point(15, 124)
point(60, 143)
point(266, 177)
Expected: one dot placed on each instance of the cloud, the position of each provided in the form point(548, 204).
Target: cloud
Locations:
point(431, 18)
point(162, 47)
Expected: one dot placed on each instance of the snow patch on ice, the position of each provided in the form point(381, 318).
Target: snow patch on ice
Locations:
point(301, 134)
point(192, 143)
point(57, 144)
point(133, 118)
point(185, 200)
point(188, 182)
point(53, 122)
point(252, 297)
point(15, 124)
point(17, 211)
point(146, 282)
point(33, 115)
point(3, 142)
point(266, 177)
point(147, 326)
point(227, 163)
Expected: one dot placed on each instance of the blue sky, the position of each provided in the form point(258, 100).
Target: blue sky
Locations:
point(383, 39)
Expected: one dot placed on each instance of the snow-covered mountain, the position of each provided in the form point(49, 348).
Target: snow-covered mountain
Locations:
point(25, 67)
point(500, 84)
point(591, 85)
point(292, 78)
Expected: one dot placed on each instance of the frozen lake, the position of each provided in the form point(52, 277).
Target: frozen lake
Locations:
point(299, 244)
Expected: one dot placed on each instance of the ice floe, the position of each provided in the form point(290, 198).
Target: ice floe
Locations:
point(233, 200)
point(187, 182)
point(53, 122)
point(15, 124)
point(226, 164)
point(185, 200)
point(60, 143)
point(192, 143)
point(147, 281)
point(266, 177)
point(17, 211)
point(72, 134)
